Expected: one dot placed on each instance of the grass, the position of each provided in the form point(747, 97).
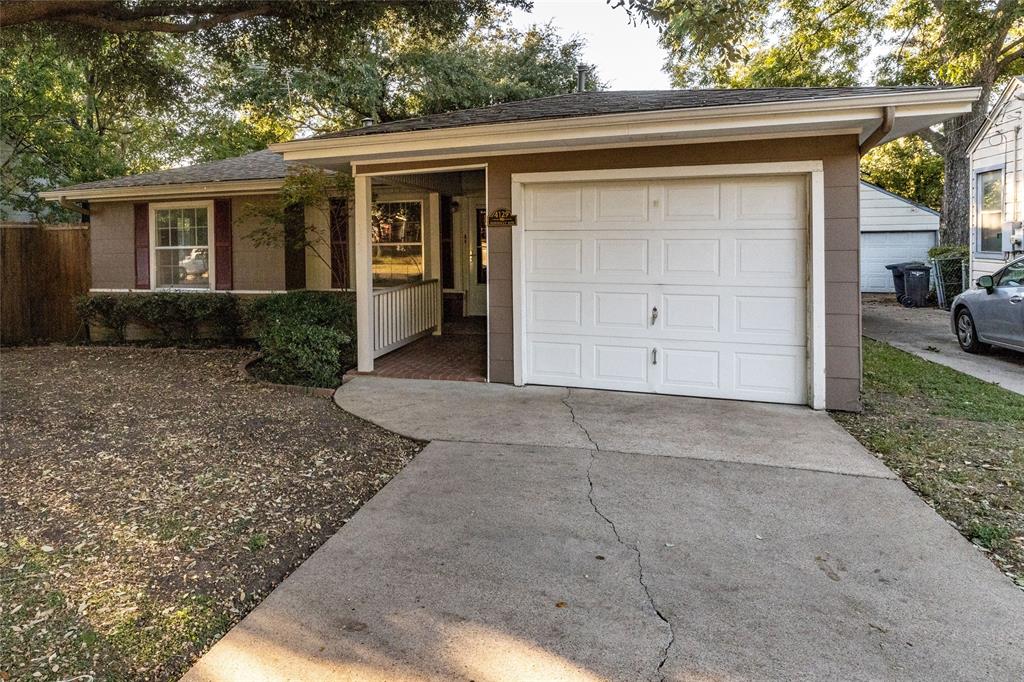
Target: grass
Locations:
point(955, 440)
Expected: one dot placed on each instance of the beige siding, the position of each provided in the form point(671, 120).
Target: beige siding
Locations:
point(112, 245)
point(256, 268)
point(842, 244)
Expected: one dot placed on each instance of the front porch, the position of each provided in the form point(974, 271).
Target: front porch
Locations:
point(420, 243)
point(460, 354)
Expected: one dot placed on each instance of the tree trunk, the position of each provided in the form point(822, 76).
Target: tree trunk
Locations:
point(956, 195)
point(955, 224)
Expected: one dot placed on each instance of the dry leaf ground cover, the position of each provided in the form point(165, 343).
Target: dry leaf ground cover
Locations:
point(955, 440)
point(150, 498)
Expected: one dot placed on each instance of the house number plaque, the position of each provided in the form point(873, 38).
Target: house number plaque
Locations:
point(501, 217)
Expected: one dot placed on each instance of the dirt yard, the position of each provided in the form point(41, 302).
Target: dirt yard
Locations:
point(152, 497)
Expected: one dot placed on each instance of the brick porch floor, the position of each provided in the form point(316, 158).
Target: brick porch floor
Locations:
point(459, 354)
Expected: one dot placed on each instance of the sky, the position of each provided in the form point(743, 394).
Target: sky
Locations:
point(627, 57)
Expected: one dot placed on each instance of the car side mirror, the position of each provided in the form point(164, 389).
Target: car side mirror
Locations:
point(987, 283)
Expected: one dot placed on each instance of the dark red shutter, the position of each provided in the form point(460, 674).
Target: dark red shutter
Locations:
point(141, 246)
point(339, 244)
point(222, 245)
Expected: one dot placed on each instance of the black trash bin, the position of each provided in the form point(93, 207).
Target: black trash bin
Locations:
point(917, 278)
point(898, 281)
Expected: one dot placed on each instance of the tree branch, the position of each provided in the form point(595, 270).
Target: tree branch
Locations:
point(936, 139)
point(155, 17)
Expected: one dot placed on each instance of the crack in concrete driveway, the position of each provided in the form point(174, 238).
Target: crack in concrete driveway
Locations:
point(635, 547)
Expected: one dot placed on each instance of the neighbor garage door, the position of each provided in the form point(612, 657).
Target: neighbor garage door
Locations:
point(878, 249)
point(688, 287)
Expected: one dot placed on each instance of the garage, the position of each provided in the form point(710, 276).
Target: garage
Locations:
point(893, 229)
point(685, 286)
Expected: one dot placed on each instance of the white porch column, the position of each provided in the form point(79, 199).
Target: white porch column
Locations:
point(364, 273)
point(433, 256)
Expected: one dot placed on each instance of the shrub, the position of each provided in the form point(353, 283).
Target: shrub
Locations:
point(305, 354)
point(105, 310)
point(952, 251)
point(175, 316)
point(305, 336)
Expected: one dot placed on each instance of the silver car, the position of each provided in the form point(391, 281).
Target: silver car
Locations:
point(992, 314)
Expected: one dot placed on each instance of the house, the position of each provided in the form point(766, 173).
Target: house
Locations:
point(893, 229)
point(997, 183)
point(689, 242)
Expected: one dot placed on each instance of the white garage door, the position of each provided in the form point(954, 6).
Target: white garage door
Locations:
point(878, 249)
point(689, 287)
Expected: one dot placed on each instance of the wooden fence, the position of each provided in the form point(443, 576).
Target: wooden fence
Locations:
point(42, 270)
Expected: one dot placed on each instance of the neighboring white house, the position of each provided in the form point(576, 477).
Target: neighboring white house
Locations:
point(997, 182)
point(892, 230)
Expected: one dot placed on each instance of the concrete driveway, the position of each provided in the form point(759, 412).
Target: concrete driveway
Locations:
point(549, 534)
point(925, 332)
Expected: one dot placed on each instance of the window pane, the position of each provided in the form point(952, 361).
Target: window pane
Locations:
point(395, 265)
point(183, 268)
point(991, 231)
point(991, 189)
point(397, 222)
point(182, 227)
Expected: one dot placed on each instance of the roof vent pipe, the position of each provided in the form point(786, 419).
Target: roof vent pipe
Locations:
point(367, 122)
point(581, 77)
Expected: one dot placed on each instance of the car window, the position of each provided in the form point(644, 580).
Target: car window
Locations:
point(1012, 276)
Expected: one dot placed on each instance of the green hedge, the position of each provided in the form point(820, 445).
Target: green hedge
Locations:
point(305, 337)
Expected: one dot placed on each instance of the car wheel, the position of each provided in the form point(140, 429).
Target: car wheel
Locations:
point(967, 333)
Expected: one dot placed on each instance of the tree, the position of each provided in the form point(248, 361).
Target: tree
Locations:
point(73, 115)
point(908, 167)
point(750, 43)
point(400, 74)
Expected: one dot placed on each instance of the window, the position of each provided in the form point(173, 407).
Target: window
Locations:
point(1012, 276)
point(182, 247)
point(397, 235)
point(990, 210)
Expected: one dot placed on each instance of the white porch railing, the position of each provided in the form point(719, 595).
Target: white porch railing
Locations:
point(403, 314)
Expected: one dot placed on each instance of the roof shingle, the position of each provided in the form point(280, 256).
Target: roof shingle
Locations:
point(614, 102)
point(261, 165)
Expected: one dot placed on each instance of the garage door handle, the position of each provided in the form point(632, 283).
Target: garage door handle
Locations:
point(1016, 299)
point(654, 315)
point(654, 356)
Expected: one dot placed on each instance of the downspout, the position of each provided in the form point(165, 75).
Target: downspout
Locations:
point(888, 117)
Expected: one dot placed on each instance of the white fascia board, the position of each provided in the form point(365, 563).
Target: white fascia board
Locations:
point(936, 105)
point(185, 190)
point(990, 117)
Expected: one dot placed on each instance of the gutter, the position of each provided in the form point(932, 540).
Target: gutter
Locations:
point(888, 118)
point(189, 190)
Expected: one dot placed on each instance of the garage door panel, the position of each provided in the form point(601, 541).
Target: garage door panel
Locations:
point(620, 203)
point(554, 257)
point(686, 369)
point(555, 360)
point(556, 308)
point(625, 257)
point(688, 313)
point(620, 310)
point(690, 201)
point(691, 258)
point(723, 261)
point(621, 363)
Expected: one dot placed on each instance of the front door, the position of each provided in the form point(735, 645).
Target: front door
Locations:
point(475, 243)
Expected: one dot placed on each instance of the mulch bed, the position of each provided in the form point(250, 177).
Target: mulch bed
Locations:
point(152, 497)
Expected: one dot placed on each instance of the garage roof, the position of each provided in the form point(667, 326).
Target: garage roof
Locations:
point(599, 103)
